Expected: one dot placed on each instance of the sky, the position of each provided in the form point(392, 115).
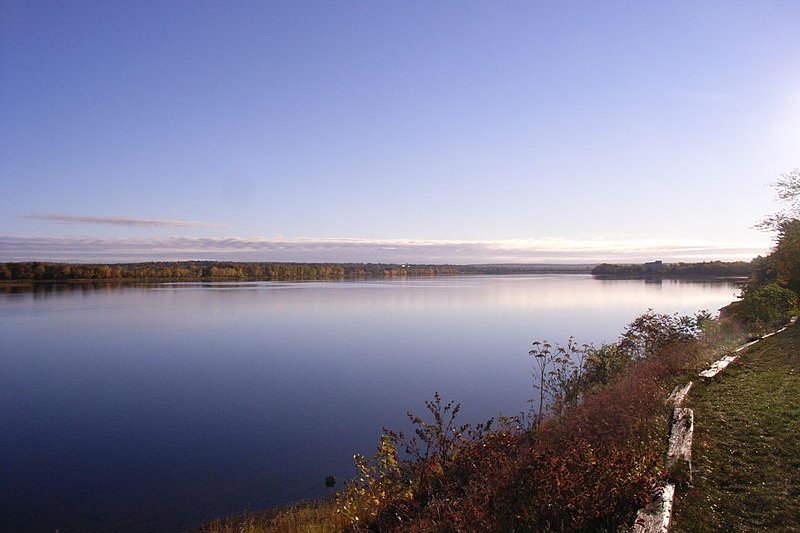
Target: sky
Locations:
point(424, 132)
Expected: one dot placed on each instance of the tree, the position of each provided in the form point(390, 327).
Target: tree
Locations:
point(768, 305)
point(782, 265)
point(788, 188)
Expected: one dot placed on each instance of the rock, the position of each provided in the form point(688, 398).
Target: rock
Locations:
point(656, 516)
point(678, 395)
point(720, 365)
point(679, 453)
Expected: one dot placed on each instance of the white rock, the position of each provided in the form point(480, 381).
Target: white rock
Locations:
point(678, 395)
point(655, 517)
point(680, 439)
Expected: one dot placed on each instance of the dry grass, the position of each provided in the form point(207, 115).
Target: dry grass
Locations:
point(311, 517)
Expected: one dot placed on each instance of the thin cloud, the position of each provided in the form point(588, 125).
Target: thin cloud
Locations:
point(119, 221)
point(16, 248)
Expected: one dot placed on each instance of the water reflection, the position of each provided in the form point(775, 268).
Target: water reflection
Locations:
point(49, 289)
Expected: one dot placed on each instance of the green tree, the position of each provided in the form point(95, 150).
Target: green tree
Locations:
point(768, 305)
point(785, 258)
point(782, 265)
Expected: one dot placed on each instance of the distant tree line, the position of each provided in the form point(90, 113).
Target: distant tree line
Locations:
point(197, 270)
point(230, 270)
point(678, 270)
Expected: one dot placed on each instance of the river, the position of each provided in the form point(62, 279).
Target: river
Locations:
point(154, 407)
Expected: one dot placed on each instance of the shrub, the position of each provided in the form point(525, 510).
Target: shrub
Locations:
point(651, 331)
point(648, 334)
point(603, 364)
point(586, 467)
point(380, 483)
point(558, 375)
point(388, 490)
point(594, 465)
point(767, 305)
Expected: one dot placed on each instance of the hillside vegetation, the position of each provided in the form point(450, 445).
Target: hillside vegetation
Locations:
point(586, 462)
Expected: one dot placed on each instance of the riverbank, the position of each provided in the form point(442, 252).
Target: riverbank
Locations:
point(745, 457)
point(585, 467)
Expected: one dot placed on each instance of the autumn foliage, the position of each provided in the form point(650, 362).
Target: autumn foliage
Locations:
point(587, 464)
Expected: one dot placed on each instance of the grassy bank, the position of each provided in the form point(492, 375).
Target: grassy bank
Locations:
point(747, 450)
point(309, 517)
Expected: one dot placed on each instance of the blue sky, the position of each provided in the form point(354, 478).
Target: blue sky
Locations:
point(394, 131)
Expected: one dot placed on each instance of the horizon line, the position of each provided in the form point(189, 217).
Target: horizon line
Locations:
point(353, 250)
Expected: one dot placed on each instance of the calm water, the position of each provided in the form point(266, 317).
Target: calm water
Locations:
point(153, 408)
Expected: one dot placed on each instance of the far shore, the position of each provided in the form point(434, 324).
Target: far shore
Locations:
point(30, 273)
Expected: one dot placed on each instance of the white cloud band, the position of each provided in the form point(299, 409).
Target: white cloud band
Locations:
point(86, 249)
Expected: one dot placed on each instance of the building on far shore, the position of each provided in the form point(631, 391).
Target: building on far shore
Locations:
point(653, 267)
